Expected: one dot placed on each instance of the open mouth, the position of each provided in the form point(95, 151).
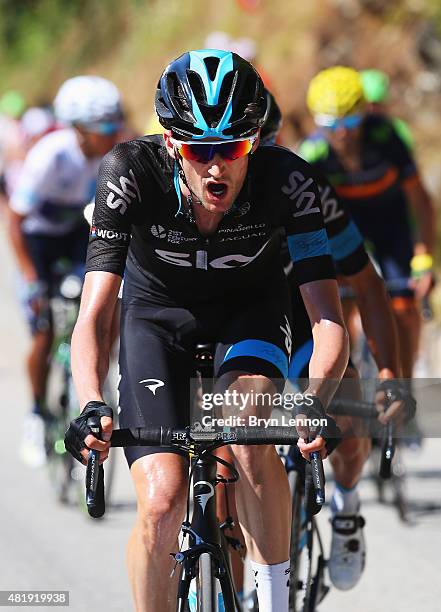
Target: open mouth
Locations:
point(218, 190)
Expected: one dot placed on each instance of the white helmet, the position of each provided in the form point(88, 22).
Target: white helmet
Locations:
point(88, 100)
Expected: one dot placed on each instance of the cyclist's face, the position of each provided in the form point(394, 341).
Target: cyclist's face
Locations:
point(96, 145)
point(376, 108)
point(343, 139)
point(216, 183)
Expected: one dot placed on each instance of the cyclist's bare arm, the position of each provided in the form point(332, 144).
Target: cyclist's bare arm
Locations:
point(91, 343)
point(18, 242)
point(331, 345)
point(92, 335)
point(378, 320)
point(422, 205)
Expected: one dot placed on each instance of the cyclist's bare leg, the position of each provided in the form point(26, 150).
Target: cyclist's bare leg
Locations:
point(38, 362)
point(346, 561)
point(351, 454)
point(408, 326)
point(265, 525)
point(160, 483)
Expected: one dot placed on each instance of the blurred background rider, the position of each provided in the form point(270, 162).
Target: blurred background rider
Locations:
point(46, 220)
point(376, 87)
point(375, 176)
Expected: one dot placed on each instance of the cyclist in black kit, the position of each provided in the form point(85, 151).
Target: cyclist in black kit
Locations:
point(375, 176)
point(348, 550)
point(194, 221)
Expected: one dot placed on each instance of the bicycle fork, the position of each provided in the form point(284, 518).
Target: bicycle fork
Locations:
point(204, 536)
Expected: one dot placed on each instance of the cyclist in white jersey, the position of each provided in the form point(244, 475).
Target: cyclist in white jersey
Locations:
point(35, 123)
point(46, 218)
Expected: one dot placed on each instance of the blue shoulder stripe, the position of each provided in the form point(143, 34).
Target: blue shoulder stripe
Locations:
point(308, 244)
point(346, 242)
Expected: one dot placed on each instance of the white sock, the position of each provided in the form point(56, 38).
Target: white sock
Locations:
point(272, 586)
point(345, 501)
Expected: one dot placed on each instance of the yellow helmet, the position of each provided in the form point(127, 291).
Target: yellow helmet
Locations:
point(334, 93)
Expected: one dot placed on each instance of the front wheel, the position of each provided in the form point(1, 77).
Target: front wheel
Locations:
point(295, 546)
point(301, 547)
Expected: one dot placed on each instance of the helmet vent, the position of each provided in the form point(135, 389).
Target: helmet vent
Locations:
point(176, 91)
point(212, 64)
point(197, 86)
point(227, 87)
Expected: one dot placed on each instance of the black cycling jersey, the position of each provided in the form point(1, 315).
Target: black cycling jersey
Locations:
point(374, 194)
point(345, 240)
point(138, 212)
point(181, 287)
point(349, 256)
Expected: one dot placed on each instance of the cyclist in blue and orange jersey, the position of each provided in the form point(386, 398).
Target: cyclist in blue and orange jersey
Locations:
point(374, 175)
point(193, 219)
point(376, 86)
point(376, 93)
point(46, 221)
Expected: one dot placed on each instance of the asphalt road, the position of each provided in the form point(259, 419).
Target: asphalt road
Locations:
point(46, 546)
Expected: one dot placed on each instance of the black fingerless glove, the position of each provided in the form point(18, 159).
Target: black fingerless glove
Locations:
point(397, 391)
point(330, 431)
point(78, 430)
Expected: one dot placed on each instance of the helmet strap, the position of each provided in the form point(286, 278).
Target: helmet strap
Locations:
point(183, 178)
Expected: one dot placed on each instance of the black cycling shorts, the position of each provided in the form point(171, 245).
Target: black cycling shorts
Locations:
point(157, 354)
point(45, 252)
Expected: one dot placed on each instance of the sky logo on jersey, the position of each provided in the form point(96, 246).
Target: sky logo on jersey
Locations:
point(330, 208)
point(201, 261)
point(298, 190)
point(127, 191)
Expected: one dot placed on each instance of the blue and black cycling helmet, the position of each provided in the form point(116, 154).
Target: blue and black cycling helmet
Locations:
point(273, 122)
point(210, 94)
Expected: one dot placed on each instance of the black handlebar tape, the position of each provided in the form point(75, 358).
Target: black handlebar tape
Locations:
point(264, 435)
point(142, 436)
point(349, 407)
point(95, 475)
point(166, 436)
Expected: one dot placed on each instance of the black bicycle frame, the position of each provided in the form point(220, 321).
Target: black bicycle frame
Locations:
point(204, 533)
